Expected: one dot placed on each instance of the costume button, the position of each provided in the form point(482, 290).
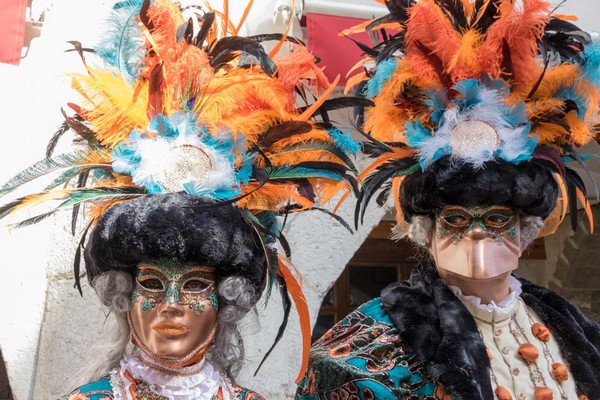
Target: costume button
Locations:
point(498, 332)
point(505, 350)
point(522, 396)
point(515, 371)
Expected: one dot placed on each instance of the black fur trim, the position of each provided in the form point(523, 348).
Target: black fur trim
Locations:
point(577, 335)
point(443, 334)
point(527, 186)
point(175, 226)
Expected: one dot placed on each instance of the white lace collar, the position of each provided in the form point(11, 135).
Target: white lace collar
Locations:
point(197, 382)
point(492, 311)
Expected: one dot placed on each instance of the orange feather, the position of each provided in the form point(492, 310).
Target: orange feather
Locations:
point(298, 65)
point(243, 18)
point(521, 27)
point(313, 107)
point(111, 105)
point(355, 80)
point(396, 181)
point(587, 208)
point(429, 26)
point(563, 198)
point(272, 197)
point(294, 286)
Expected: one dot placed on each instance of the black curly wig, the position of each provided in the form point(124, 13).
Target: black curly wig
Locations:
point(528, 187)
point(175, 226)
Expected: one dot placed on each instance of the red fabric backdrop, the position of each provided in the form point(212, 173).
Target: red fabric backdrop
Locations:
point(12, 30)
point(337, 53)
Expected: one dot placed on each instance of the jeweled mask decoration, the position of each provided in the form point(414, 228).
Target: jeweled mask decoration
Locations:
point(172, 284)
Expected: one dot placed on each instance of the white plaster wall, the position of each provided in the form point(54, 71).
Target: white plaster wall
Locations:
point(47, 328)
point(32, 95)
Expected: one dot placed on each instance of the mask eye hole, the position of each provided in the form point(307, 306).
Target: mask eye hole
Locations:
point(456, 220)
point(196, 285)
point(498, 219)
point(151, 283)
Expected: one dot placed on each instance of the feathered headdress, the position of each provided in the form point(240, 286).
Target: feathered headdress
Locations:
point(176, 101)
point(479, 82)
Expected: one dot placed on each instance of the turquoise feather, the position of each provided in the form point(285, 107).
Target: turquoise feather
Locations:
point(122, 43)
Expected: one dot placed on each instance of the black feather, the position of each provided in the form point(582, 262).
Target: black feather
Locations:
point(144, 18)
point(326, 165)
point(80, 128)
point(287, 305)
point(564, 38)
point(456, 12)
point(224, 50)
point(275, 36)
point(62, 129)
point(339, 219)
point(384, 194)
point(399, 9)
point(186, 31)
point(375, 181)
point(83, 177)
point(365, 48)
point(485, 12)
point(508, 70)
point(537, 84)
point(572, 200)
point(207, 23)
point(573, 153)
point(436, 63)
point(285, 245)
point(283, 131)
point(305, 189)
point(79, 49)
point(380, 21)
point(342, 102)
point(77, 260)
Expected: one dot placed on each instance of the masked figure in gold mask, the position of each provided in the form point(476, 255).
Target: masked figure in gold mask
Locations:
point(178, 273)
point(189, 146)
point(472, 125)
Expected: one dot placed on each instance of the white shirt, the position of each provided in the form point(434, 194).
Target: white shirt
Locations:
point(499, 326)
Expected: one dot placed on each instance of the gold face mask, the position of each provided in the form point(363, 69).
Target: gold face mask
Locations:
point(477, 242)
point(174, 311)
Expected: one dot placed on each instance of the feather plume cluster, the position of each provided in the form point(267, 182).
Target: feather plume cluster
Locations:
point(515, 66)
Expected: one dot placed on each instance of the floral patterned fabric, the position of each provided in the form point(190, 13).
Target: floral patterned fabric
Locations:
point(362, 357)
point(103, 390)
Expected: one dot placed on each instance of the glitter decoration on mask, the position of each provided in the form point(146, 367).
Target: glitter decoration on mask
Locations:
point(470, 138)
point(497, 221)
point(171, 283)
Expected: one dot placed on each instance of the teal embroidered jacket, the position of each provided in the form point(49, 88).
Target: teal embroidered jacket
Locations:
point(362, 357)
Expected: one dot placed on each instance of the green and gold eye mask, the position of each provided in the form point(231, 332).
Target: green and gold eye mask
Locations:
point(172, 283)
point(458, 221)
